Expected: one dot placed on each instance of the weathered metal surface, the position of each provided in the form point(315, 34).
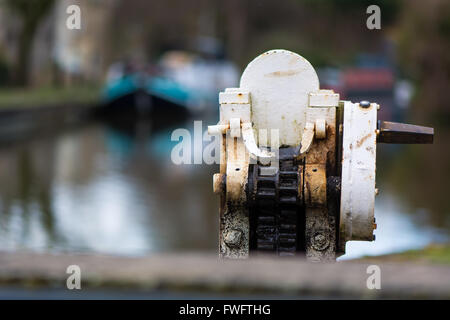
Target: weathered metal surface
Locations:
point(323, 98)
point(234, 222)
point(235, 127)
point(219, 183)
point(307, 137)
point(234, 216)
point(279, 104)
point(315, 186)
point(324, 149)
point(250, 144)
point(234, 96)
point(279, 82)
point(358, 172)
point(320, 226)
point(218, 129)
point(393, 132)
point(320, 129)
point(234, 103)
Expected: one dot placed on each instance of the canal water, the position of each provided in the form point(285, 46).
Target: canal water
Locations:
point(99, 188)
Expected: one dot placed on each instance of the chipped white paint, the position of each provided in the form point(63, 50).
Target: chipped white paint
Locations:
point(218, 129)
point(235, 127)
point(250, 144)
point(323, 98)
point(234, 96)
point(279, 82)
point(307, 137)
point(320, 128)
point(358, 172)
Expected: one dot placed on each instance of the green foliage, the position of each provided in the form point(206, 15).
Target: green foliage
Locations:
point(434, 254)
point(46, 96)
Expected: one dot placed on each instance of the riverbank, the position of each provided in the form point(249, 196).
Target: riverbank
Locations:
point(35, 112)
point(21, 98)
point(432, 254)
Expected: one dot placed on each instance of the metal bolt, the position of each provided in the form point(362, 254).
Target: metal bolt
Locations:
point(364, 104)
point(377, 191)
point(233, 238)
point(320, 241)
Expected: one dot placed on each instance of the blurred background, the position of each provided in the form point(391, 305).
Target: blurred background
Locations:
point(86, 116)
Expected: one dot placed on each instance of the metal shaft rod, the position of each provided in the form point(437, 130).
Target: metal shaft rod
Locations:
point(394, 132)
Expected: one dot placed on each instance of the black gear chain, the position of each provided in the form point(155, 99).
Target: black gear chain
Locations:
point(277, 220)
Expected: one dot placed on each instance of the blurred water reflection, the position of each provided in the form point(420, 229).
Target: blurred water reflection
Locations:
point(99, 189)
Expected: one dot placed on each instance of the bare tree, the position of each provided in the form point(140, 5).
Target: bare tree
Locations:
point(31, 12)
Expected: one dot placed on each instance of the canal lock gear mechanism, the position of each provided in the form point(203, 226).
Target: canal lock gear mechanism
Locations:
point(297, 164)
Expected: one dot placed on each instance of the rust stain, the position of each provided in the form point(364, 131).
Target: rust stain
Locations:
point(361, 141)
point(282, 73)
point(315, 185)
point(370, 149)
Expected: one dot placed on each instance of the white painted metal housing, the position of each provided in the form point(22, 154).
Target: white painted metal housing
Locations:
point(358, 172)
point(279, 82)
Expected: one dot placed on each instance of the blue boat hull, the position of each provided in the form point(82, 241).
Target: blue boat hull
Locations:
point(145, 95)
point(139, 104)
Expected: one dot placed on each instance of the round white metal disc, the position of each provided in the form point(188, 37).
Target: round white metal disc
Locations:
point(279, 82)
